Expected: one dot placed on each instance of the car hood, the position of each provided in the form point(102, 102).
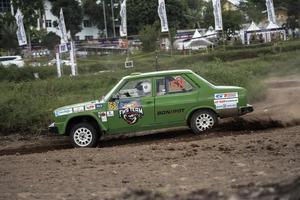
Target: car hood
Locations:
point(80, 107)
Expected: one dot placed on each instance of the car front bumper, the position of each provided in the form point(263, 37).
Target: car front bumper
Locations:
point(53, 129)
point(246, 109)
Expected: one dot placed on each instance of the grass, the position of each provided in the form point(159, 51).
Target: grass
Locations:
point(26, 105)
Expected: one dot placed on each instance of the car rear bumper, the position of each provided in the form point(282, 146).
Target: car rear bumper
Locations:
point(53, 129)
point(246, 109)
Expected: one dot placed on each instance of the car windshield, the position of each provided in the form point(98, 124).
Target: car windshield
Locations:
point(209, 83)
point(108, 95)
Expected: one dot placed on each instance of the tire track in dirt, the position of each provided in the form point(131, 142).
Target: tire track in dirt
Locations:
point(234, 127)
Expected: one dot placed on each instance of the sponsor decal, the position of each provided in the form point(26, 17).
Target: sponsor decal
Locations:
point(112, 106)
point(110, 113)
point(228, 95)
point(99, 105)
point(167, 112)
point(78, 109)
point(130, 110)
point(102, 116)
point(226, 103)
point(177, 84)
point(90, 107)
point(63, 112)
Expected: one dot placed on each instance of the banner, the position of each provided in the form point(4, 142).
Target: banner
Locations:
point(62, 27)
point(218, 15)
point(22, 39)
point(271, 11)
point(64, 47)
point(123, 26)
point(163, 16)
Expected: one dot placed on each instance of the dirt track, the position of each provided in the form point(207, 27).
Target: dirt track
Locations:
point(261, 149)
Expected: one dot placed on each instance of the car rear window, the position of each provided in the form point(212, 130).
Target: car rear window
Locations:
point(171, 85)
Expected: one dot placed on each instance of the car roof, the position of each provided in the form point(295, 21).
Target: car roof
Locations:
point(158, 73)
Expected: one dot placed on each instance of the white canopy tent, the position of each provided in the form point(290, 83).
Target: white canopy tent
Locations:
point(211, 33)
point(198, 42)
point(271, 25)
point(197, 34)
point(272, 30)
point(252, 29)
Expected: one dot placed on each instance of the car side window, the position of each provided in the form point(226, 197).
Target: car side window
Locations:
point(136, 89)
point(172, 85)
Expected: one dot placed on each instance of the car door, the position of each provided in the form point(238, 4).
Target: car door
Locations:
point(133, 109)
point(175, 97)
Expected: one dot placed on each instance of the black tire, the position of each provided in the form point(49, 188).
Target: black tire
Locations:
point(203, 120)
point(84, 135)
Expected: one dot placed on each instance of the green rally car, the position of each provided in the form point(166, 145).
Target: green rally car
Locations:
point(155, 100)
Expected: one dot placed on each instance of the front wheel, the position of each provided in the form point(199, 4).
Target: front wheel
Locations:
point(84, 135)
point(203, 120)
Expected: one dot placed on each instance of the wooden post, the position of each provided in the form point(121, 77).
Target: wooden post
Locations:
point(58, 65)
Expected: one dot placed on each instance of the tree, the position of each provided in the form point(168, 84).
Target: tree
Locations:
point(252, 10)
point(293, 6)
point(232, 21)
point(73, 14)
point(208, 15)
point(51, 40)
point(31, 9)
point(37, 36)
point(144, 12)
point(195, 12)
point(149, 36)
point(95, 11)
point(8, 28)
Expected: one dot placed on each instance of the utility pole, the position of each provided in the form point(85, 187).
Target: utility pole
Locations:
point(29, 44)
point(113, 17)
point(98, 2)
point(104, 15)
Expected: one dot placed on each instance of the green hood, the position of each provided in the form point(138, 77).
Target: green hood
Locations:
point(80, 107)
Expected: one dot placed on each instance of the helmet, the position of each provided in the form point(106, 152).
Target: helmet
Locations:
point(146, 87)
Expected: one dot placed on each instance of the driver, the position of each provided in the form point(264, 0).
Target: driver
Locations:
point(144, 88)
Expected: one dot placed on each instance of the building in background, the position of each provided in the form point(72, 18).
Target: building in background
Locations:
point(89, 31)
point(281, 16)
point(49, 22)
point(231, 5)
point(5, 6)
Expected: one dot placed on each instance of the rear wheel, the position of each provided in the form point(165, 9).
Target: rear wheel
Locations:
point(203, 120)
point(84, 135)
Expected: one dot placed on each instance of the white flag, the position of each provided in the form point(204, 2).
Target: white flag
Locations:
point(218, 15)
point(62, 27)
point(163, 16)
point(271, 11)
point(21, 30)
point(123, 27)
